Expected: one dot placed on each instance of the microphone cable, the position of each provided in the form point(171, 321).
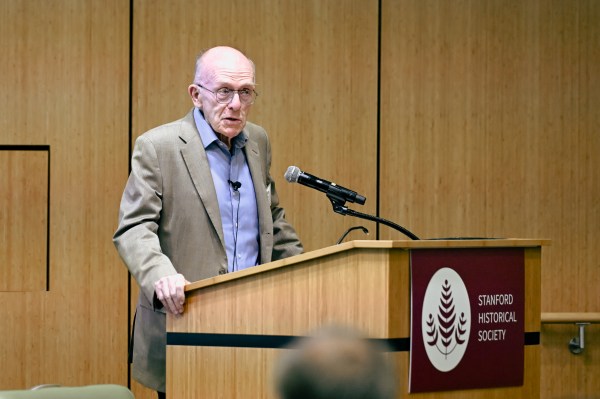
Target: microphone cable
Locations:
point(235, 186)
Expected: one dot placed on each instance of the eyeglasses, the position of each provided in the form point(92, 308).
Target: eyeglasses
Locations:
point(224, 95)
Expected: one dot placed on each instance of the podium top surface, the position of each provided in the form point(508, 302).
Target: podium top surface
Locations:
point(372, 244)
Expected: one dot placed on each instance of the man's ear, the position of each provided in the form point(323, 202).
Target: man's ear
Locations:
point(194, 92)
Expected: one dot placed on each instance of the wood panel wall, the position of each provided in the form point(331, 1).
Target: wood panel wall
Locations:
point(64, 84)
point(24, 267)
point(496, 133)
point(483, 114)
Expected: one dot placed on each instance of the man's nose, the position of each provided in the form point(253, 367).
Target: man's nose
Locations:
point(235, 102)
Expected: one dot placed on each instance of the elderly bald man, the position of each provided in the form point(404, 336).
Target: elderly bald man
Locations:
point(199, 202)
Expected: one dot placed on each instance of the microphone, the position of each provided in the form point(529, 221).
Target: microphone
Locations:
point(295, 175)
point(235, 185)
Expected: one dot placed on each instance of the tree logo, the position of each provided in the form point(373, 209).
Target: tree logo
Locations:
point(446, 319)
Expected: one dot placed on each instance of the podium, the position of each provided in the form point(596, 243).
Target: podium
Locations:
point(235, 326)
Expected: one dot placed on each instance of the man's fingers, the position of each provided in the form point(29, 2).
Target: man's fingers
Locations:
point(172, 304)
point(170, 292)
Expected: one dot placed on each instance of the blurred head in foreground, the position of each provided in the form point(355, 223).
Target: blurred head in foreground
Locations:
point(335, 362)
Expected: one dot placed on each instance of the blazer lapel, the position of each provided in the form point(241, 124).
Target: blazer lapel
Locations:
point(196, 162)
point(263, 202)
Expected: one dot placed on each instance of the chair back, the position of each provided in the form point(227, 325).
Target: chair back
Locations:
point(101, 391)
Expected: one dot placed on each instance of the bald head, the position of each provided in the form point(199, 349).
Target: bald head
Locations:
point(224, 59)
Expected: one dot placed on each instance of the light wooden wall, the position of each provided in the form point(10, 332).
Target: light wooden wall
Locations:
point(64, 84)
point(24, 267)
point(496, 133)
point(497, 129)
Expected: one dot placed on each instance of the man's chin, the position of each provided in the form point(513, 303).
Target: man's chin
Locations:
point(232, 129)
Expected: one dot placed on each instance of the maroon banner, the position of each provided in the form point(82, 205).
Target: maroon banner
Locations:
point(467, 318)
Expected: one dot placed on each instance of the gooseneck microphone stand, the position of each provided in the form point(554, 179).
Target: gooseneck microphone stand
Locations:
point(339, 207)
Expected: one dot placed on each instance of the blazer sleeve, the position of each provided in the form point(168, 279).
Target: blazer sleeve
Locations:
point(136, 237)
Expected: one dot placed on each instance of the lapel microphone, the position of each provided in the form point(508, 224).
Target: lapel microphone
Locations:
point(235, 185)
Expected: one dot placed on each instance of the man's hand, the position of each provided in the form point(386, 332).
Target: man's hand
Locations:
point(169, 291)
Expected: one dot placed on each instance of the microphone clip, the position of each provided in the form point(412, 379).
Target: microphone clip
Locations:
point(235, 185)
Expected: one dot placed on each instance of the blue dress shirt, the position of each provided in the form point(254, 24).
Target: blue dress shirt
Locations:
point(237, 205)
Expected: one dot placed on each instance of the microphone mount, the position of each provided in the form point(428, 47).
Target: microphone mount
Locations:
point(339, 207)
point(364, 230)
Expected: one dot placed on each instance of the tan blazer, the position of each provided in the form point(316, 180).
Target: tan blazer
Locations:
point(169, 222)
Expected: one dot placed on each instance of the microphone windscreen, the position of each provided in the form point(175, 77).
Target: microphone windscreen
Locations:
point(292, 173)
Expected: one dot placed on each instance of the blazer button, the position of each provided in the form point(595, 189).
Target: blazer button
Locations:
point(222, 271)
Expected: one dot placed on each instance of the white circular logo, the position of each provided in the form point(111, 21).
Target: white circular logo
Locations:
point(446, 319)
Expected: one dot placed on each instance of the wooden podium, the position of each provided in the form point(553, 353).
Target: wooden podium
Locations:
point(234, 326)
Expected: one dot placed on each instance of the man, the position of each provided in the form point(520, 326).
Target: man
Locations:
point(335, 363)
point(199, 202)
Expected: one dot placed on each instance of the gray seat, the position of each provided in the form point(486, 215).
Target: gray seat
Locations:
point(100, 391)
